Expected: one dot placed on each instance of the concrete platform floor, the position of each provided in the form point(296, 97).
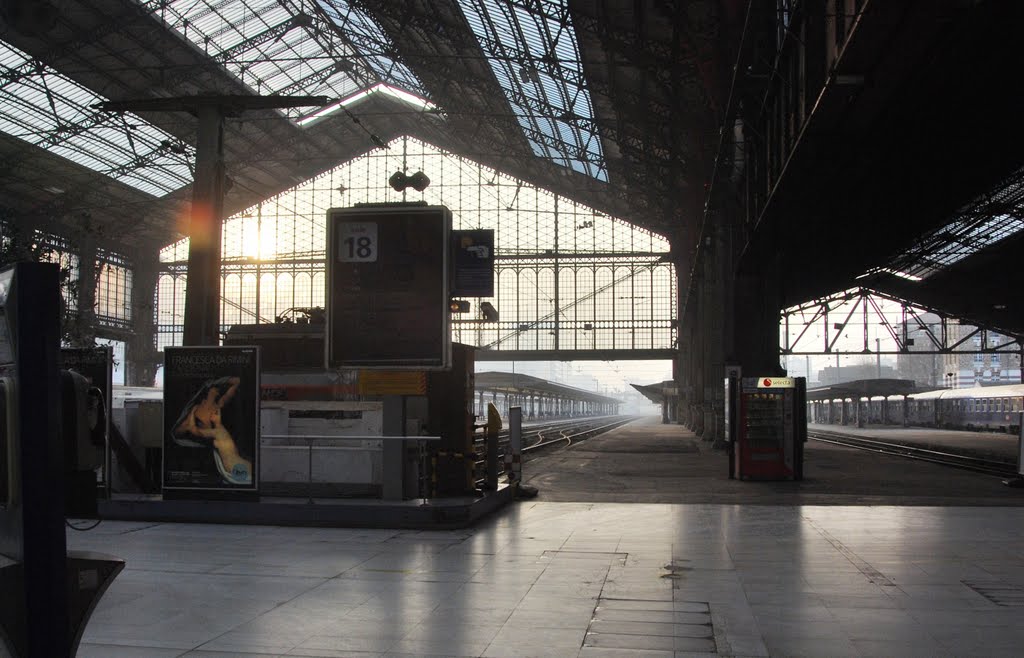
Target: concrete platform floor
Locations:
point(647, 462)
point(589, 578)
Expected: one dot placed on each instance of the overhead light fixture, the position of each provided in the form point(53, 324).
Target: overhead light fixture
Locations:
point(417, 181)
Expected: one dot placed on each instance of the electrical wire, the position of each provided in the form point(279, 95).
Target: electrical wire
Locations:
point(82, 528)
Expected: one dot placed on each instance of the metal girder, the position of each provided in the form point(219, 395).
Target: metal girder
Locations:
point(321, 24)
point(577, 355)
point(108, 25)
point(560, 309)
point(255, 41)
point(901, 327)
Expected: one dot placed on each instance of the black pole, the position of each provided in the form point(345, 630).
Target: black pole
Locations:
point(36, 328)
point(202, 290)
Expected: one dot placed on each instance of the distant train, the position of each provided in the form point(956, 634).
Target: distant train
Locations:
point(990, 408)
point(993, 408)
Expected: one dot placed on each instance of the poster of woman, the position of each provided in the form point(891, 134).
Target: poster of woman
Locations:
point(211, 418)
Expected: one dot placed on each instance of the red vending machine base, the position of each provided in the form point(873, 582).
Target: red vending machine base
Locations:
point(766, 424)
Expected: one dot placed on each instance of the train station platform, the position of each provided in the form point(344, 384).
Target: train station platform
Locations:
point(649, 462)
point(991, 445)
point(753, 569)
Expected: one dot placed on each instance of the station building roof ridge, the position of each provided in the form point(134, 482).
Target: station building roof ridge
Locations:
point(657, 392)
point(519, 383)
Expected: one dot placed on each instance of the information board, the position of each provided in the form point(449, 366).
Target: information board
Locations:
point(211, 418)
point(387, 287)
point(473, 263)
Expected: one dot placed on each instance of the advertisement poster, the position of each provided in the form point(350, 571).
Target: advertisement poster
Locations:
point(211, 418)
point(96, 364)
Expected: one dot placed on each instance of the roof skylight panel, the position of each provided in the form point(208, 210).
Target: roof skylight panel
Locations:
point(374, 45)
point(536, 60)
point(970, 232)
point(44, 108)
point(321, 47)
point(969, 239)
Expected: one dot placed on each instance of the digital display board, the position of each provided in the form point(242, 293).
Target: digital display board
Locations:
point(387, 287)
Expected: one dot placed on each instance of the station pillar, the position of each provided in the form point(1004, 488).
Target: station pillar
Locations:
point(141, 356)
point(728, 316)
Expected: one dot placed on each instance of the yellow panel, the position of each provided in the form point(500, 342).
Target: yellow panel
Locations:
point(387, 382)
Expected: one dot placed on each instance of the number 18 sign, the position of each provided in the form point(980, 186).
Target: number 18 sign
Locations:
point(387, 287)
point(357, 242)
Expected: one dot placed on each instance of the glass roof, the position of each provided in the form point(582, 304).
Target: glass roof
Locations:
point(42, 107)
point(536, 60)
point(381, 88)
point(981, 224)
point(314, 47)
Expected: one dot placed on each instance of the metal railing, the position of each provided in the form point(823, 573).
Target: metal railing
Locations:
point(312, 438)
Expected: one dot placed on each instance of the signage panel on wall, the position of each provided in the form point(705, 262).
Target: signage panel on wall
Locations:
point(382, 382)
point(387, 287)
point(211, 418)
point(775, 382)
point(473, 263)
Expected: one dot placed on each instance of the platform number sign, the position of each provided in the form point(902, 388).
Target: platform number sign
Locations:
point(357, 242)
point(387, 287)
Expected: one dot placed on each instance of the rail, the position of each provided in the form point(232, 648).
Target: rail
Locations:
point(537, 432)
point(977, 464)
point(580, 435)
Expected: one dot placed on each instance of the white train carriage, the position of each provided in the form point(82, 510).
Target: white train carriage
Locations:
point(994, 408)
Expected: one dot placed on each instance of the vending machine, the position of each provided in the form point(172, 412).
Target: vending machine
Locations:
point(766, 426)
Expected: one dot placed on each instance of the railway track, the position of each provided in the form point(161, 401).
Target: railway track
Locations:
point(537, 437)
point(977, 464)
